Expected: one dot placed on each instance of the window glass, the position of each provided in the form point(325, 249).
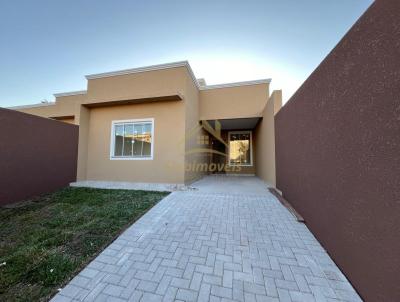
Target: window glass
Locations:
point(137, 145)
point(119, 137)
point(128, 139)
point(146, 138)
point(133, 140)
point(239, 148)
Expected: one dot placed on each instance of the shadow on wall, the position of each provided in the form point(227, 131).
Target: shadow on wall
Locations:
point(338, 152)
point(37, 155)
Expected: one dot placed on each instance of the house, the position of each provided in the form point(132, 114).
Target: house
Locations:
point(159, 124)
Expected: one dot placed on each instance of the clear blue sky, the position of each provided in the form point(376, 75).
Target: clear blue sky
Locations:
point(48, 46)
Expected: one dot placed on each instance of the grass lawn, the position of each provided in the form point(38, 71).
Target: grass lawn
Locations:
point(49, 239)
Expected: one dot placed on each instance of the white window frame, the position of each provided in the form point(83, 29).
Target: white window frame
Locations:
point(251, 148)
point(134, 121)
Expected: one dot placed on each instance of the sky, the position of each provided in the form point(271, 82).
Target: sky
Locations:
point(49, 46)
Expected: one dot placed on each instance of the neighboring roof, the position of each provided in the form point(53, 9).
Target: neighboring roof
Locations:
point(61, 94)
point(31, 106)
point(57, 95)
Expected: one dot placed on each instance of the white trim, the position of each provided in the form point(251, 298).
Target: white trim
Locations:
point(141, 69)
point(112, 139)
point(79, 92)
point(251, 147)
point(32, 106)
point(228, 85)
point(191, 73)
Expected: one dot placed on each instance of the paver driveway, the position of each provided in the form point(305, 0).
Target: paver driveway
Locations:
point(213, 244)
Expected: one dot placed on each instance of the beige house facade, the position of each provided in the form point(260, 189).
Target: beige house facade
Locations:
point(159, 124)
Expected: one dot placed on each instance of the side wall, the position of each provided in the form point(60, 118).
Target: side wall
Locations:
point(37, 155)
point(264, 137)
point(338, 153)
point(83, 117)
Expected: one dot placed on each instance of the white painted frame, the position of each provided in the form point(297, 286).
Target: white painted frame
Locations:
point(134, 121)
point(251, 147)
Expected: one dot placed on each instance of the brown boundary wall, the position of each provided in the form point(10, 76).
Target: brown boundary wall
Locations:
point(338, 153)
point(37, 155)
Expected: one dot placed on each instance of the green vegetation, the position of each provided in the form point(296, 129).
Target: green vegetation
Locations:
point(45, 241)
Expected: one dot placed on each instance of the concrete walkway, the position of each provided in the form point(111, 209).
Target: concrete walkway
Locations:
point(231, 185)
point(222, 242)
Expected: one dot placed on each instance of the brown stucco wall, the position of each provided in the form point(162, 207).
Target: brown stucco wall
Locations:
point(37, 155)
point(338, 153)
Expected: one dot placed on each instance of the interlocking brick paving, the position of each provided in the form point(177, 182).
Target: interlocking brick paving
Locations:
point(211, 246)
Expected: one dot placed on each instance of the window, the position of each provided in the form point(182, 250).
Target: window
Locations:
point(132, 139)
point(240, 150)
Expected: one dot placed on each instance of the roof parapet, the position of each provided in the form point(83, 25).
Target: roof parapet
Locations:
point(200, 83)
point(144, 69)
point(32, 106)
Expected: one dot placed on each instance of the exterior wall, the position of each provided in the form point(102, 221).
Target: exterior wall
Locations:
point(167, 165)
point(192, 118)
point(338, 153)
point(264, 136)
point(63, 106)
point(38, 155)
point(233, 102)
point(137, 85)
point(84, 122)
point(168, 157)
